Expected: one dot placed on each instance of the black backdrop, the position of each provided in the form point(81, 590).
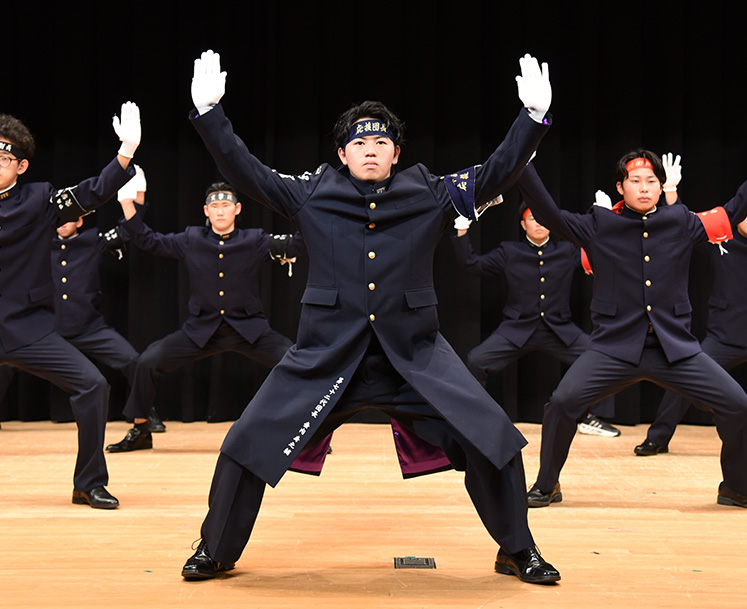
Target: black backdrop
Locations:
point(664, 76)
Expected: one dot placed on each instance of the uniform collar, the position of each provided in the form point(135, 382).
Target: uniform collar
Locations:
point(7, 192)
point(631, 213)
point(366, 188)
point(221, 236)
point(538, 246)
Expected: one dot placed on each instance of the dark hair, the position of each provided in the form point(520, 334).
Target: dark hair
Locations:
point(621, 172)
point(18, 134)
point(371, 109)
point(522, 208)
point(221, 186)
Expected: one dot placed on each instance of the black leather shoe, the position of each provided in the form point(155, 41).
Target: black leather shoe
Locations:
point(155, 424)
point(136, 439)
point(536, 498)
point(201, 565)
point(726, 496)
point(527, 565)
point(649, 448)
point(97, 497)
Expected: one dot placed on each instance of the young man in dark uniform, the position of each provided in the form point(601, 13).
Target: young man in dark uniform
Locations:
point(76, 271)
point(368, 333)
point(29, 214)
point(224, 264)
point(640, 251)
point(726, 333)
point(537, 314)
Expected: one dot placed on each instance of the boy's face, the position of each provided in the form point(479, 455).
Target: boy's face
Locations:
point(369, 158)
point(640, 190)
point(9, 175)
point(534, 230)
point(222, 215)
point(69, 228)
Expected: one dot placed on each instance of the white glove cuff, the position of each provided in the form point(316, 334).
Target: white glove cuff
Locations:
point(127, 149)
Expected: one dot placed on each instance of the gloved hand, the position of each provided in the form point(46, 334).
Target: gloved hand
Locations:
point(135, 185)
point(673, 170)
point(208, 82)
point(602, 199)
point(534, 87)
point(462, 223)
point(128, 129)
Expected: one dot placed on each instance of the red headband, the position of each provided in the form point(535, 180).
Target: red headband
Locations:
point(638, 163)
point(527, 211)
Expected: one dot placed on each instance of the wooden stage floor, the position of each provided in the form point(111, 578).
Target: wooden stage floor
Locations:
point(631, 532)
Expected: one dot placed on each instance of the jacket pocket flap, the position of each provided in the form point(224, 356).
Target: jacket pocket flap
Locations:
point(683, 308)
point(41, 293)
point(320, 296)
point(604, 308)
point(423, 297)
point(718, 303)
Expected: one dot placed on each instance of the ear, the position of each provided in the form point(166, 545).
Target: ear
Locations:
point(23, 165)
point(79, 222)
point(341, 154)
point(238, 207)
point(619, 187)
point(524, 225)
point(396, 155)
point(205, 209)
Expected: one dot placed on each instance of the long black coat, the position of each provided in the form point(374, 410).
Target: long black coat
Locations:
point(370, 271)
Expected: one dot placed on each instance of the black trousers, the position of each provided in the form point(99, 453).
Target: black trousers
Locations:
point(177, 349)
point(673, 407)
point(110, 348)
point(54, 359)
point(499, 495)
point(496, 352)
point(594, 376)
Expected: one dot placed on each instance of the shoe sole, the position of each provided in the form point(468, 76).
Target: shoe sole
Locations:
point(83, 501)
point(721, 500)
point(648, 453)
point(197, 576)
point(505, 569)
point(192, 575)
point(595, 431)
point(557, 498)
point(114, 448)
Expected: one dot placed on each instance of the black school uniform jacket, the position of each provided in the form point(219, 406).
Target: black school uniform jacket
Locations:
point(27, 227)
point(641, 267)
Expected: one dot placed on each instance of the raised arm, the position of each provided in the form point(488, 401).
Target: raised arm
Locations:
point(475, 188)
point(71, 203)
point(572, 227)
point(282, 193)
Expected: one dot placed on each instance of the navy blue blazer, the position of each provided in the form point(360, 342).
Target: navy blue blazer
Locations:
point(27, 227)
point(641, 267)
point(224, 275)
point(538, 281)
point(370, 272)
point(76, 269)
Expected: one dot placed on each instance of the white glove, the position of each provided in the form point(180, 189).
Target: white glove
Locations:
point(462, 223)
point(602, 199)
point(208, 82)
point(673, 170)
point(534, 87)
point(139, 180)
point(128, 129)
point(135, 185)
